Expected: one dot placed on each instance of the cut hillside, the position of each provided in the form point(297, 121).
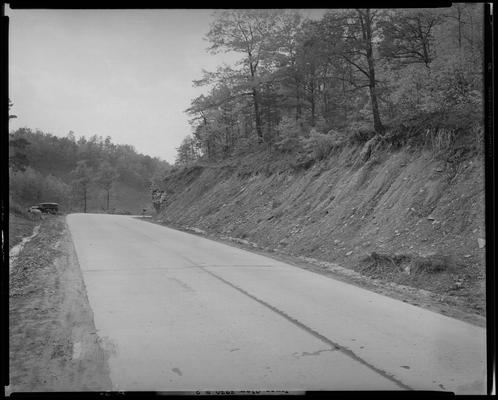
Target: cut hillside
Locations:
point(412, 216)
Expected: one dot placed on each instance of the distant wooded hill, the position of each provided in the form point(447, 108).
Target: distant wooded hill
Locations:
point(93, 174)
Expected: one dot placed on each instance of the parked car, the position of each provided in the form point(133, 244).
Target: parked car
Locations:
point(48, 208)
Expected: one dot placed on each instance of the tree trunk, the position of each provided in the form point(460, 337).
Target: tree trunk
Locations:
point(227, 140)
point(298, 101)
point(471, 41)
point(375, 109)
point(257, 115)
point(344, 101)
point(268, 118)
point(84, 201)
point(312, 103)
point(325, 100)
point(108, 200)
point(367, 36)
point(255, 98)
point(425, 44)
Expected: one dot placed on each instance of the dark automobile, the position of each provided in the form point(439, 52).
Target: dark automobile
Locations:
point(48, 208)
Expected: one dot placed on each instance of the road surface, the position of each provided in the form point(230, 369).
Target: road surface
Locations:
point(175, 311)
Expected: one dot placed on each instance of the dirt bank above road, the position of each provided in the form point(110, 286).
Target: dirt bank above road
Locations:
point(53, 341)
point(411, 217)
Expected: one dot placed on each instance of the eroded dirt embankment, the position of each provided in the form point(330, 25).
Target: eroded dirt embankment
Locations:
point(404, 217)
point(53, 341)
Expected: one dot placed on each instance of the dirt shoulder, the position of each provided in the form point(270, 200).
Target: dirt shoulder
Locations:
point(454, 306)
point(20, 226)
point(53, 341)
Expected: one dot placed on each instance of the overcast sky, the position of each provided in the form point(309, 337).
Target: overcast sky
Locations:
point(123, 73)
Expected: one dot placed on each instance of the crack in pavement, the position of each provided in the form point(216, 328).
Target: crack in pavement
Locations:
point(165, 268)
point(334, 346)
point(314, 353)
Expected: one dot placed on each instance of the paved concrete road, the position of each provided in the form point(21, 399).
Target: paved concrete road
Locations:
point(176, 311)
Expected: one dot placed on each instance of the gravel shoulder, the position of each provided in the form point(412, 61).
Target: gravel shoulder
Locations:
point(53, 340)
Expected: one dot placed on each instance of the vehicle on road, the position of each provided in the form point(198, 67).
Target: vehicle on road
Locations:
point(47, 208)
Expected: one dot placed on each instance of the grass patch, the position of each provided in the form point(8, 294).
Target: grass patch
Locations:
point(432, 264)
point(379, 264)
point(386, 265)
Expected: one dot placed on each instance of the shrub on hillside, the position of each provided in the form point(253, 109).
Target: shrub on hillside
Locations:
point(454, 85)
point(433, 264)
point(319, 144)
point(360, 133)
point(289, 131)
point(245, 145)
point(383, 265)
point(438, 131)
point(451, 84)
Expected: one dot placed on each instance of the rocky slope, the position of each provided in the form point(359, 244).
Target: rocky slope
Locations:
point(410, 216)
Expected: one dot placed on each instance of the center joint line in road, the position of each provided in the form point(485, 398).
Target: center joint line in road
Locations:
point(94, 268)
point(311, 331)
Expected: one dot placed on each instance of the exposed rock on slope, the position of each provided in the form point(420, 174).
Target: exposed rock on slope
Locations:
point(408, 217)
